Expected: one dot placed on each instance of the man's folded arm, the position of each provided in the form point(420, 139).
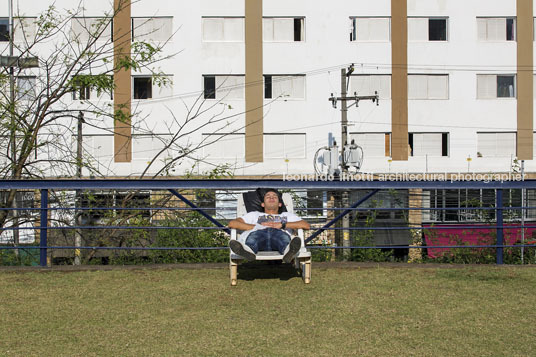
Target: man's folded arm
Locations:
point(240, 225)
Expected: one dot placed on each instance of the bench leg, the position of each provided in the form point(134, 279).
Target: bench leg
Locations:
point(305, 267)
point(233, 269)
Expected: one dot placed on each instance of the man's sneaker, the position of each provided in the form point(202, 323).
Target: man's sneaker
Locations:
point(239, 249)
point(293, 249)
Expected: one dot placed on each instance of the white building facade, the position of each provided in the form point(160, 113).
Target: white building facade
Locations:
point(453, 81)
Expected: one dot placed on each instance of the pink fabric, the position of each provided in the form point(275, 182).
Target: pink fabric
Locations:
point(469, 236)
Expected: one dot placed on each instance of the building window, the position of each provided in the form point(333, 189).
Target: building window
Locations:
point(146, 147)
point(491, 86)
point(284, 146)
point(496, 144)
point(4, 29)
point(143, 88)
point(155, 29)
point(286, 87)
point(428, 86)
point(429, 144)
point(373, 144)
point(223, 29)
point(283, 29)
point(111, 201)
point(223, 87)
point(85, 28)
point(83, 91)
point(427, 29)
point(368, 84)
point(25, 90)
point(370, 29)
point(26, 218)
point(223, 146)
point(496, 28)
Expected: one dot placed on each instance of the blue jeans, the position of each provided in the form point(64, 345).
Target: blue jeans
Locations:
point(268, 239)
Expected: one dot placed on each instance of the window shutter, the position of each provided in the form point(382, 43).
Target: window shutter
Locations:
point(156, 29)
point(506, 144)
point(281, 86)
point(417, 86)
point(82, 27)
point(229, 87)
point(482, 29)
point(385, 87)
point(25, 29)
point(268, 30)
point(295, 146)
point(233, 29)
point(418, 29)
point(363, 31)
point(213, 29)
point(486, 86)
point(432, 144)
point(438, 87)
point(165, 90)
point(274, 146)
point(234, 146)
point(226, 146)
point(496, 29)
point(298, 87)
point(360, 84)
point(284, 30)
point(101, 146)
point(496, 144)
point(379, 29)
point(368, 84)
point(373, 144)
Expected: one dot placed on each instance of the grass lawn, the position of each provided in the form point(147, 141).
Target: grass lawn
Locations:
point(381, 311)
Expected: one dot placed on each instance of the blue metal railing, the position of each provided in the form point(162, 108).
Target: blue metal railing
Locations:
point(172, 185)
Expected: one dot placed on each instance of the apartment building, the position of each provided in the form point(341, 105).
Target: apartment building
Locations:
point(455, 82)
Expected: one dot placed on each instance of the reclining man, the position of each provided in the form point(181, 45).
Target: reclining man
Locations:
point(267, 231)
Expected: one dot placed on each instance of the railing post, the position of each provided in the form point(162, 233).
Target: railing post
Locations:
point(43, 224)
point(500, 238)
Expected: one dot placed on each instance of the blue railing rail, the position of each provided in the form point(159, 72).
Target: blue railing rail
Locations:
point(332, 185)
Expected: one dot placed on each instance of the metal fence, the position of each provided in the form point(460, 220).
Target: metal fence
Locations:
point(502, 210)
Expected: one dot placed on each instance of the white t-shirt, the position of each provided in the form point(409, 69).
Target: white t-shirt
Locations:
point(256, 218)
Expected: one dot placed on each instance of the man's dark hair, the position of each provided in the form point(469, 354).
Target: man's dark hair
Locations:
point(279, 195)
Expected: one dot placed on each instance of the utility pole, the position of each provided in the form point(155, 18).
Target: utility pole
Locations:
point(13, 150)
point(523, 211)
point(344, 169)
point(78, 196)
point(344, 99)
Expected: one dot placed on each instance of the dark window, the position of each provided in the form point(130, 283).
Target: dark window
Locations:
point(445, 144)
point(82, 93)
point(410, 142)
point(298, 29)
point(134, 200)
point(315, 203)
point(104, 205)
point(510, 30)
point(4, 30)
point(206, 200)
point(437, 29)
point(210, 87)
point(268, 87)
point(143, 88)
point(505, 87)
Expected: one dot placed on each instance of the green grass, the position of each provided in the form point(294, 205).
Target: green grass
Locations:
point(476, 311)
